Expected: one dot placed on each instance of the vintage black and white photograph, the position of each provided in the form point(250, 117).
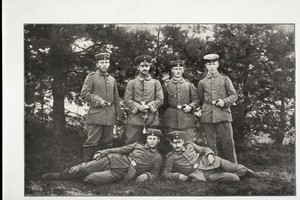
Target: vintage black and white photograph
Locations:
point(155, 109)
point(159, 109)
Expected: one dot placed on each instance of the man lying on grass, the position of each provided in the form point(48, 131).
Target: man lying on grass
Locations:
point(134, 161)
point(188, 161)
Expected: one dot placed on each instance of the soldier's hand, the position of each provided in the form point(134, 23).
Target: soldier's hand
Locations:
point(211, 159)
point(103, 103)
point(183, 177)
point(97, 104)
point(198, 113)
point(187, 108)
point(220, 103)
point(97, 156)
point(142, 177)
point(144, 108)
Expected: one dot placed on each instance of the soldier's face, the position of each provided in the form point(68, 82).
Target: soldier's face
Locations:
point(152, 140)
point(177, 71)
point(212, 67)
point(103, 65)
point(177, 144)
point(144, 68)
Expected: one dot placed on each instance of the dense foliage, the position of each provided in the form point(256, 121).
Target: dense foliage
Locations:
point(259, 59)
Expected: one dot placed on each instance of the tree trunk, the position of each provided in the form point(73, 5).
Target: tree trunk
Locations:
point(281, 133)
point(42, 102)
point(59, 121)
point(158, 54)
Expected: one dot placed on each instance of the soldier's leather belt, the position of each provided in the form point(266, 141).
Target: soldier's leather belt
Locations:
point(132, 162)
point(108, 104)
point(178, 107)
point(210, 102)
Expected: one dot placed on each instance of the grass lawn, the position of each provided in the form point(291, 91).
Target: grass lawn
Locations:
point(48, 154)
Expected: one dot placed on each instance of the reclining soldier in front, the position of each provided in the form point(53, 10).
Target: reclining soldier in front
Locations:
point(134, 161)
point(188, 161)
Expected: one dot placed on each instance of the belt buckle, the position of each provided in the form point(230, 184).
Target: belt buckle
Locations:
point(133, 163)
point(179, 107)
point(195, 166)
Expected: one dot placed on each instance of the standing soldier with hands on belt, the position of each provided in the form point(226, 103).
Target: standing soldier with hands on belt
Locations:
point(143, 96)
point(180, 100)
point(137, 161)
point(100, 91)
point(217, 94)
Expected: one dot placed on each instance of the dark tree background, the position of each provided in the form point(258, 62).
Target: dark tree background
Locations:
point(259, 59)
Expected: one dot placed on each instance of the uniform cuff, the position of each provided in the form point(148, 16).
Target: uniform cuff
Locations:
point(135, 107)
point(152, 106)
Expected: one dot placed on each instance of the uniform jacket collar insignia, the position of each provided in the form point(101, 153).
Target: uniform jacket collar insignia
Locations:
point(209, 75)
point(101, 73)
point(148, 78)
point(177, 80)
point(148, 147)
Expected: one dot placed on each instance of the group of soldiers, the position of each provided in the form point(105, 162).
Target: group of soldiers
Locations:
point(180, 101)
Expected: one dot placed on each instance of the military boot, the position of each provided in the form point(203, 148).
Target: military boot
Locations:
point(253, 174)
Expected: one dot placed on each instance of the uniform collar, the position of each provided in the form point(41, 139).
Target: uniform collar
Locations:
point(177, 80)
point(144, 78)
point(151, 149)
point(209, 75)
point(101, 73)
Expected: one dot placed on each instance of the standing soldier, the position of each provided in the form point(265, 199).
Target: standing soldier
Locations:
point(217, 94)
point(100, 90)
point(143, 96)
point(180, 99)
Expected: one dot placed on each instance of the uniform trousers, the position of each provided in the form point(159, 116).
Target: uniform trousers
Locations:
point(227, 172)
point(219, 138)
point(99, 137)
point(95, 172)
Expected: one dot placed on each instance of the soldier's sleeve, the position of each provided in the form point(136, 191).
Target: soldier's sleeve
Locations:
point(232, 96)
point(202, 150)
point(200, 92)
point(194, 97)
point(117, 100)
point(128, 98)
point(86, 91)
point(159, 98)
point(153, 173)
point(168, 169)
point(121, 150)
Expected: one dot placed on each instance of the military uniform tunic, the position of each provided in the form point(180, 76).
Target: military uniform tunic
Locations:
point(178, 92)
point(100, 120)
point(192, 161)
point(99, 86)
point(117, 163)
point(216, 121)
point(138, 90)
